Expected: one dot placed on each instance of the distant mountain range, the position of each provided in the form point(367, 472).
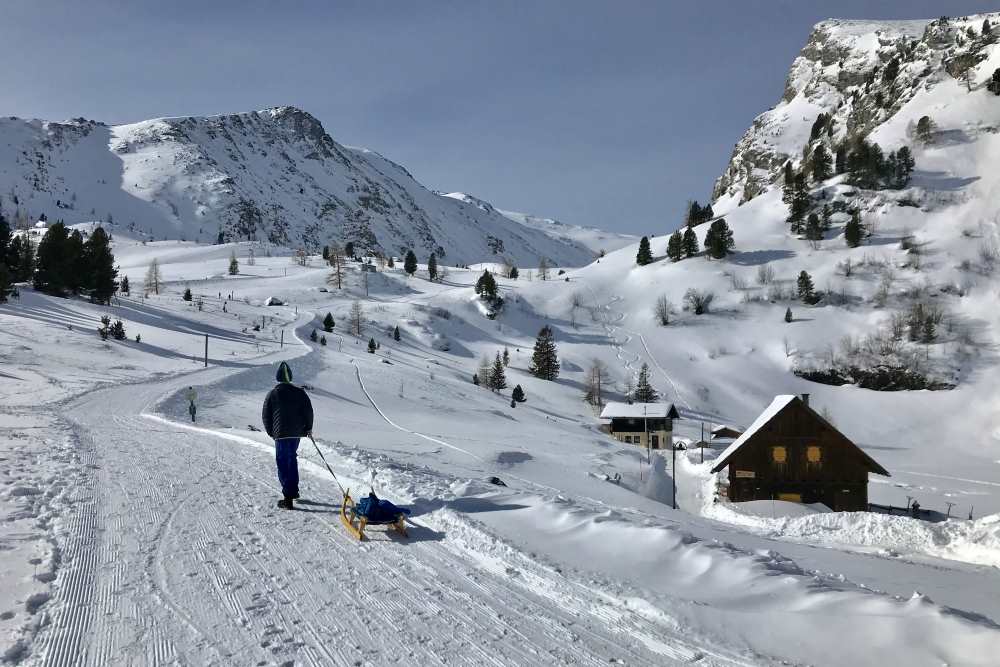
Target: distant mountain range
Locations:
point(273, 175)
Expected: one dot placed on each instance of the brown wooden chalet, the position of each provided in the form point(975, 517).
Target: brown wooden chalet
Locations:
point(792, 453)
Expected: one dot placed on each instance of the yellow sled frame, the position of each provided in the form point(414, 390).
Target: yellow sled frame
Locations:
point(356, 525)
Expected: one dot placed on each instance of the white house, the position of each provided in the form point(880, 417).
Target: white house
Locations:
point(644, 424)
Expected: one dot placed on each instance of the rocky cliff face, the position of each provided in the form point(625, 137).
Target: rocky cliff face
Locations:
point(859, 74)
point(274, 176)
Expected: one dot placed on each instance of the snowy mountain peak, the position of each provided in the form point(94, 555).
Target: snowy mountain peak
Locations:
point(272, 176)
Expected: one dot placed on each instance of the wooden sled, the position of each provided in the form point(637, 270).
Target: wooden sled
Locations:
point(356, 523)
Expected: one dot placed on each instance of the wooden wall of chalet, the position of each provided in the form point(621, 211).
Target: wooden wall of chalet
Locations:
point(839, 480)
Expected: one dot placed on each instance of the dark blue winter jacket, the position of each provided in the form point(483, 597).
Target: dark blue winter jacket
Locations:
point(287, 410)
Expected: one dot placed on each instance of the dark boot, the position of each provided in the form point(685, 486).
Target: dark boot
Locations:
point(285, 504)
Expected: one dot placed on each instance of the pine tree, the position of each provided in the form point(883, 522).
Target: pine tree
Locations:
point(349, 251)
point(410, 263)
point(314, 336)
point(994, 84)
point(788, 315)
point(125, 288)
point(498, 379)
point(328, 323)
point(800, 204)
point(8, 268)
point(853, 232)
point(814, 228)
point(322, 341)
point(187, 294)
point(820, 164)
point(26, 258)
point(693, 214)
point(544, 358)
point(475, 379)
point(6, 284)
point(840, 163)
point(395, 333)
point(234, 264)
point(675, 247)
point(486, 286)
point(372, 346)
point(827, 218)
point(690, 243)
point(925, 129)
point(100, 267)
point(719, 239)
point(506, 357)
point(4, 239)
point(52, 267)
point(326, 253)
point(432, 267)
point(805, 288)
point(518, 394)
point(77, 274)
point(645, 255)
point(903, 168)
point(788, 184)
point(644, 392)
point(929, 332)
point(513, 273)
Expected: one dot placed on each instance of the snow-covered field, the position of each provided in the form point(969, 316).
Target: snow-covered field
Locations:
point(134, 536)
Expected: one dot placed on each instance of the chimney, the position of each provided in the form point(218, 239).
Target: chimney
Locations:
point(805, 399)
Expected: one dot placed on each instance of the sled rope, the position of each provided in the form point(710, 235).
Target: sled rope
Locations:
point(318, 451)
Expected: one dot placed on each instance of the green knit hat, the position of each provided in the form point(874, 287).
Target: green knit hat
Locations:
point(284, 373)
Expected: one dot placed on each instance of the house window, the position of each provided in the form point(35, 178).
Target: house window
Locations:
point(779, 455)
point(654, 441)
point(814, 455)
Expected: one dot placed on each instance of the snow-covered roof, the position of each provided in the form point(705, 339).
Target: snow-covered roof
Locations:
point(637, 410)
point(777, 405)
point(41, 224)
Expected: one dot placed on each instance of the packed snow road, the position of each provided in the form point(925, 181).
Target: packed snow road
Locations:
point(175, 554)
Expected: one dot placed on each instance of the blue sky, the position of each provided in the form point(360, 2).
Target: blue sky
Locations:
point(609, 114)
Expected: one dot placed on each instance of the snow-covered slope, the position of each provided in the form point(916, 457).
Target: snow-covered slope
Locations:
point(273, 175)
point(597, 240)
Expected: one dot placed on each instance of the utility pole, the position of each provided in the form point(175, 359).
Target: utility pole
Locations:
point(282, 339)
point(673, 468)
point(645, 426)
point(206, 350)
point(702, 442)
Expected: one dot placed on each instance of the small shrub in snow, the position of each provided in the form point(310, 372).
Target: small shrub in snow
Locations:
point(314, 336)
point(371, 346)
point(765, 275)
point(788, 315)
point(322, 340)
point(698, 301)
point(117, 330)
point(187, 294)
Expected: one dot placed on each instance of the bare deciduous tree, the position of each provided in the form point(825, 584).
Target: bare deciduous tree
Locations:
point(663, 310)
point(153, 277)
point(337, 262)
point(597, 379)
point(357, 318)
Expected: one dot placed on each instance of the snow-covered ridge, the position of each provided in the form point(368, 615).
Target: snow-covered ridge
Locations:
point(597, 240)
point(273, 175)
point(838, 72)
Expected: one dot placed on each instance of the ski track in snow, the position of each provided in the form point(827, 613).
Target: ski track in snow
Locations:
point(176, 555)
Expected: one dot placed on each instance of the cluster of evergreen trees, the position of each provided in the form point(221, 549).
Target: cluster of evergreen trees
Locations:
point(994, 84)
point(697, 214)
point(682, 245)
point(867, 167)
point(486, 287)
point(63, 264)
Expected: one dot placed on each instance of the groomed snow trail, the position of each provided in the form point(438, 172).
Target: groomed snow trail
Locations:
point(178, 556)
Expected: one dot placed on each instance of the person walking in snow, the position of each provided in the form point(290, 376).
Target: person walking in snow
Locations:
point(191, 395)
point(287, 417)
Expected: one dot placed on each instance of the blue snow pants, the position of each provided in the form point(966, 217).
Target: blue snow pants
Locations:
point(285, 451)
